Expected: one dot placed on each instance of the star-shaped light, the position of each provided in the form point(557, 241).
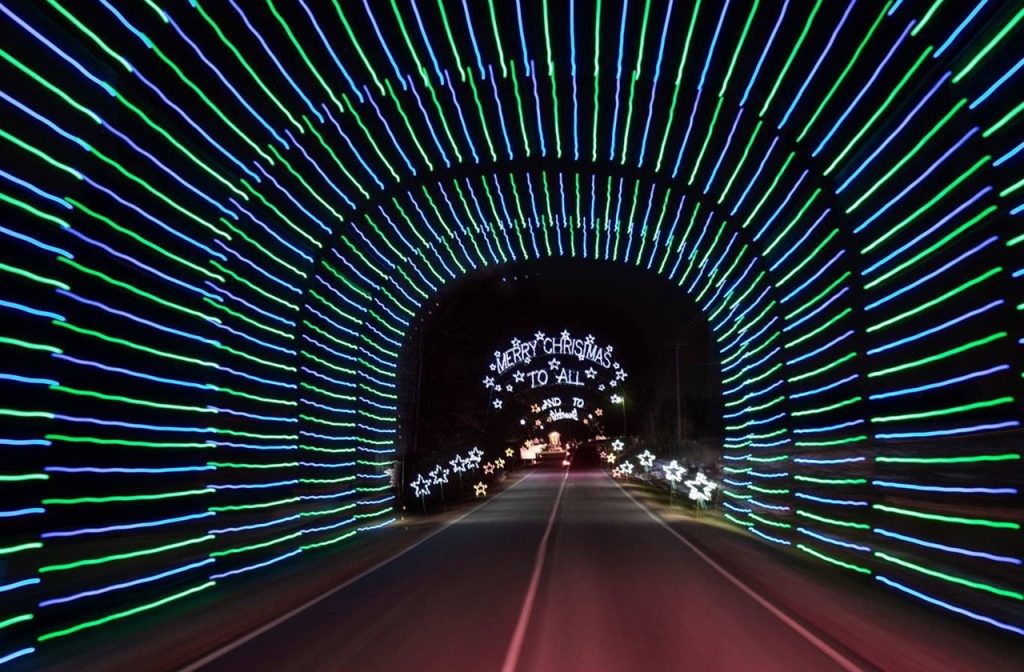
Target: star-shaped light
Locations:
point(554, 364)
point(589, 340)
point(674, 471)
point(510, 453)
point(626, 468)
point(646, 459)
point(599, 412)
point(516, 342)
point(616, 473)
point(611, 457)
point(508, 388)
point(439, 475)
point(701, 487)
point(420, 486)
point(488, 381)
point(480, 489)
point(621, 374)
point(522, 421)
point(535, 408)
point(500, 462)
point(497, 403)
point(613, 383)
point(475, 455)
point(489, 468)
point(618, 445)
point(565, 333)
point(539, 335)
point(617, 399)
point(590, 373)
point(519, 376)
point(601, 387)
point(458, 464)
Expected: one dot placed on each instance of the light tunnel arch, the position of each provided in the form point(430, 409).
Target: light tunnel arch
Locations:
point(165, 235)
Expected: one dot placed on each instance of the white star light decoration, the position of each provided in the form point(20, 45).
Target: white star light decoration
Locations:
point(618, 445)
point(701, 488)
point(554, 364)
point(626, 468)
point(674, 472)
point(474, 456)
point(617, 399)
point(646, 459)
point(480, 489)
point(421, 486)
point(497, 403)
point(458, 464)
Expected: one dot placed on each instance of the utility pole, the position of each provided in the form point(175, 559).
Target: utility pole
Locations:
point(679, 395)
point(679, 402)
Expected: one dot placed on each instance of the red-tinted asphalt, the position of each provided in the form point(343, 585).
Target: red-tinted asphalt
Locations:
point(616, 591)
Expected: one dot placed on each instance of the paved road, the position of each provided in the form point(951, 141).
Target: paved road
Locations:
point(612, 590)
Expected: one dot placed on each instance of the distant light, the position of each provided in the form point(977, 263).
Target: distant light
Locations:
point(646, 459)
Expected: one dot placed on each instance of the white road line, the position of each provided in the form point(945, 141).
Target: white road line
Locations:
point(231, 646)
point(515, 647)
point(814, 640)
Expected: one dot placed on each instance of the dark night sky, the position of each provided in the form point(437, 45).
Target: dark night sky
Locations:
point(640, 315)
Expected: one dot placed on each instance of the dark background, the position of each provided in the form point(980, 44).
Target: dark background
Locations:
point(642, 316)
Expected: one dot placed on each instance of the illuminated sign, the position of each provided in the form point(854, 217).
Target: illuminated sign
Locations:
point(552, 361)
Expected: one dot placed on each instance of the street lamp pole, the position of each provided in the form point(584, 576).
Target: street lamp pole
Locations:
point(625, 430)
point(619, 399)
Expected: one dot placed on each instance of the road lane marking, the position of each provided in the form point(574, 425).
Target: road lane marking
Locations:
point(515, 647)
point(231, 646)
point(813, 639)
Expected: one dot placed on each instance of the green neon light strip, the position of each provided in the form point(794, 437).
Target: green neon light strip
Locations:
point(124, 614)
point(940, 356)
point(834, 561)
point(123, 556)
point(977, 585)
point(14, 620)
point(958, 520)
point(965, 408)
point(126, 498)
point(958, 459)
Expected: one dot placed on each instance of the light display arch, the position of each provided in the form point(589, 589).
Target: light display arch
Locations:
point(215, 253)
